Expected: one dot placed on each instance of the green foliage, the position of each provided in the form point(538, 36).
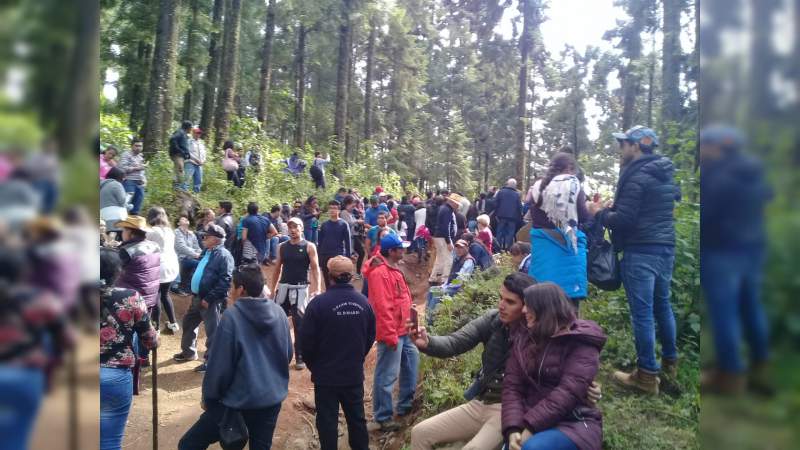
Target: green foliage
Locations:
point(629, 421)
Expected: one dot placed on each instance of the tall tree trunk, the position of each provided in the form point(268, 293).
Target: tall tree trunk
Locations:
point(229, 70)
point(212, 70)
point(157, 98)
point(137, 96)
point(300, 89)
point(631, 83)
point(189, 63)
point(350, 137)
point(266, 67)
point(762, 59)
point(77, 123)
point(525, 43)
point(373, 32)
point(172, 68)
point(342, 75)
point(671, 62)
point(651, 80)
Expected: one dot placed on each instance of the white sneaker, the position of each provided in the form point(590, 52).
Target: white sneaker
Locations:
point(174, 327)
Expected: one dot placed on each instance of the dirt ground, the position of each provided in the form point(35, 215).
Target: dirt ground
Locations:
point(179, 392)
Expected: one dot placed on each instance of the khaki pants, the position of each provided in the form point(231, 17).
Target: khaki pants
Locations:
point(443, 263)
point(177, 163)
point(473, 421)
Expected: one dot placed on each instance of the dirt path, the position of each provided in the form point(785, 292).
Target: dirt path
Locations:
point(179, 393)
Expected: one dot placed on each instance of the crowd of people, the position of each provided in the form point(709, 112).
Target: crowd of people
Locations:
point(535, 389)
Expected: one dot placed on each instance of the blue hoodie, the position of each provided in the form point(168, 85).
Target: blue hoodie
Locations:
point(249, 365)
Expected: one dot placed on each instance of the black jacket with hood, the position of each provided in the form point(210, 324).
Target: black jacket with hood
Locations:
point(643, 204)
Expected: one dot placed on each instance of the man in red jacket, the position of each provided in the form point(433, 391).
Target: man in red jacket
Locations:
point(398, 357)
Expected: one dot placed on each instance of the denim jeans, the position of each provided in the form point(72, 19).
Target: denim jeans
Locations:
point(646, 278)
point(506, 229)
point(187, 266)
point(116, 396)
point(551, 439)
point(327, 400)
point(402, 363)
point(21, 392)
point(195, 174)
point(260, 426)
point(272, 245)
point(138, 195)
point(732, 284)
point(435, 295)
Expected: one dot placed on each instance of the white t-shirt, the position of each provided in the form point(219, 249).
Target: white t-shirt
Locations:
point(165, 238)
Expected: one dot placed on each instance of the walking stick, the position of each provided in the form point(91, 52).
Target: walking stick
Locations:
point(72, 376)
point(155, 398)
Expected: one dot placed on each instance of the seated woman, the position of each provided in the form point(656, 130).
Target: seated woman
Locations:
point(554, 358)
point(558, 205)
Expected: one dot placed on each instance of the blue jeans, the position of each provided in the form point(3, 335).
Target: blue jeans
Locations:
point(310, 234)
point(551, 439)
point(272, 245)
point(506, 229)
point(732, 284)
point(435, 295)
point(195, 174)
point(472, 226)
point(646, 278)
point(260, 426)
point(21, 391)
point(116, 394)
point(138, 194)
point(403, 363)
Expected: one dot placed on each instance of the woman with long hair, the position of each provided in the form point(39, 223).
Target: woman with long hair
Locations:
point(231, 161)
point(557, 207)
point(554, 358)
point(309, 214)
point(161, 233)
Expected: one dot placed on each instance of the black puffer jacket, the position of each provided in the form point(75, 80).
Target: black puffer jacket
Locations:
point(643, 204)
point(489, 331)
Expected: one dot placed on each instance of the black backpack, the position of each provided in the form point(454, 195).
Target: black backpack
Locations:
point(315, 172)
point(255, 158)
point(602, 265)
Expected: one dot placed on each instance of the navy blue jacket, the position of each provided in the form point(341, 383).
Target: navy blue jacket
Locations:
point(249, 367)
point(179, 144)
point(482, 257)
point(337, 333)
point(334, 238)
point(734, 194)
point(445, 223)
point(216, 280)
point(508, 204)
point(644, 201)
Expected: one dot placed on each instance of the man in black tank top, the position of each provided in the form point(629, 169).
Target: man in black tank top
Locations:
point(291, 281)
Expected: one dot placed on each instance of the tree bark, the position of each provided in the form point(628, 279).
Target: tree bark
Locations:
point(212, 70)
point(671, 62)
point(631, 84)
point(373, 32)
point(137, 95)
point(78, 116)
point(157, 99)
point(342, 75)
point(266, 67)
point(189, 62)
point(525, 42)
point(300, 89)
point(228, 70)
point(350, 136)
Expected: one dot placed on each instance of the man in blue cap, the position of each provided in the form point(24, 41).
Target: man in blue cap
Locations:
point(643, 227)
point(732, 248)
point(398, 358)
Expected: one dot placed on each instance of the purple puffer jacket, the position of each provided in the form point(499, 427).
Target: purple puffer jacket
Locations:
point(549, 389)
point(141, 267)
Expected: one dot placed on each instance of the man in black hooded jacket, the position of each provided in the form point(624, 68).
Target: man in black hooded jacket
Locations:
point(643, 227)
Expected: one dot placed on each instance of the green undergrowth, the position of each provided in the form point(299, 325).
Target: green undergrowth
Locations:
point(630, 421)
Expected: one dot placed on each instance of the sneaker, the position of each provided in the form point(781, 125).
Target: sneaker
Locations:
point(174, 327)
point(300, 365)
point(389, 426)
point(181, 357)
point(200, 369)
point(358, 277)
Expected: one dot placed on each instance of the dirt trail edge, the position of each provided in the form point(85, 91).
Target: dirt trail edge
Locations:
point(179, 392)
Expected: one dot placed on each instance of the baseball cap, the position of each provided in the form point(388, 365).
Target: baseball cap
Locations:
point(215, 230)
point(339, 265)
point(461, 243)
point(724, 135)
point(640, 134)
point(391, 241)
point(373, 199)
point(296, 221)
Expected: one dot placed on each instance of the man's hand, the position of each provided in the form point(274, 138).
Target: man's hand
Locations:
point(593, 208)
point(450, 247)
point(392, 347)
point(609, 203)
point(594, 394)
point(203, 304)
point(418, 337)
point(515, 441)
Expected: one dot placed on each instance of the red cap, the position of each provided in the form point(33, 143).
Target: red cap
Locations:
point(197, 130)
point(378, 189)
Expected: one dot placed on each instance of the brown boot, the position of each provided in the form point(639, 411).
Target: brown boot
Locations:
point(669, 377)
point(640, 379)
point(722, 383)
point(759, 380)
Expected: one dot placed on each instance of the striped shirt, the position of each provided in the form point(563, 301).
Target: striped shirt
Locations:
point(127, 161)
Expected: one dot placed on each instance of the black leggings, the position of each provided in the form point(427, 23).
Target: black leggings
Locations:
point(358, 247)
point(166, 303)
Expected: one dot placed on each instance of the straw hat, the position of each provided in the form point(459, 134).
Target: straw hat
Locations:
point(134, 223)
